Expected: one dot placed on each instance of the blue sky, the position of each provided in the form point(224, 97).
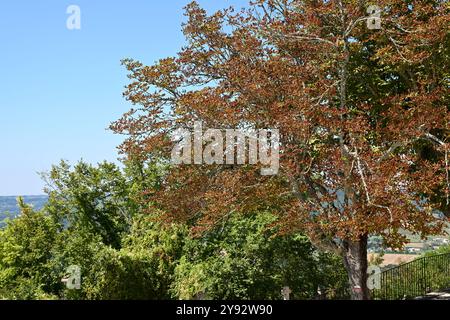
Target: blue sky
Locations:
point(60, 88)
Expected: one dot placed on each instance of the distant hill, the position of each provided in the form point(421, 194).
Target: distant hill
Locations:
point(9, 208)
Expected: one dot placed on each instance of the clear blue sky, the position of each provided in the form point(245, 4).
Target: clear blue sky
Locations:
point(60, 88)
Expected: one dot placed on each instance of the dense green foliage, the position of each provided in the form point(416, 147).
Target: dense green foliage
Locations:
point(244, 261)
point(25, 251)
point(94, 219)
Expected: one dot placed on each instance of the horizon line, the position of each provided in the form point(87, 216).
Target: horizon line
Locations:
point(26, 195)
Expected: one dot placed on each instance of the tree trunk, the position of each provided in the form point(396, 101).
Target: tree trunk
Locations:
point(355, 260)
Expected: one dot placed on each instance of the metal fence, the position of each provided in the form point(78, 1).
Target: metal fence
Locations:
point(415, 279)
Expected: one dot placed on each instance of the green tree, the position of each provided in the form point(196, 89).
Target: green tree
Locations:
point(93, 198)
point(89, 206)
point(25, 255)
point(245, 259)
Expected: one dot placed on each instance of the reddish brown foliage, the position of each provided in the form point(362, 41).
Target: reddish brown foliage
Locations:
point(354, 106)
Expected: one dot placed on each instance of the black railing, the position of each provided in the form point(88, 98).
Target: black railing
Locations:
point(414, 279)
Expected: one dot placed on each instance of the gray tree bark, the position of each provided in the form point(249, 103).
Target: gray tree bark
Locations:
point(355, 260)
